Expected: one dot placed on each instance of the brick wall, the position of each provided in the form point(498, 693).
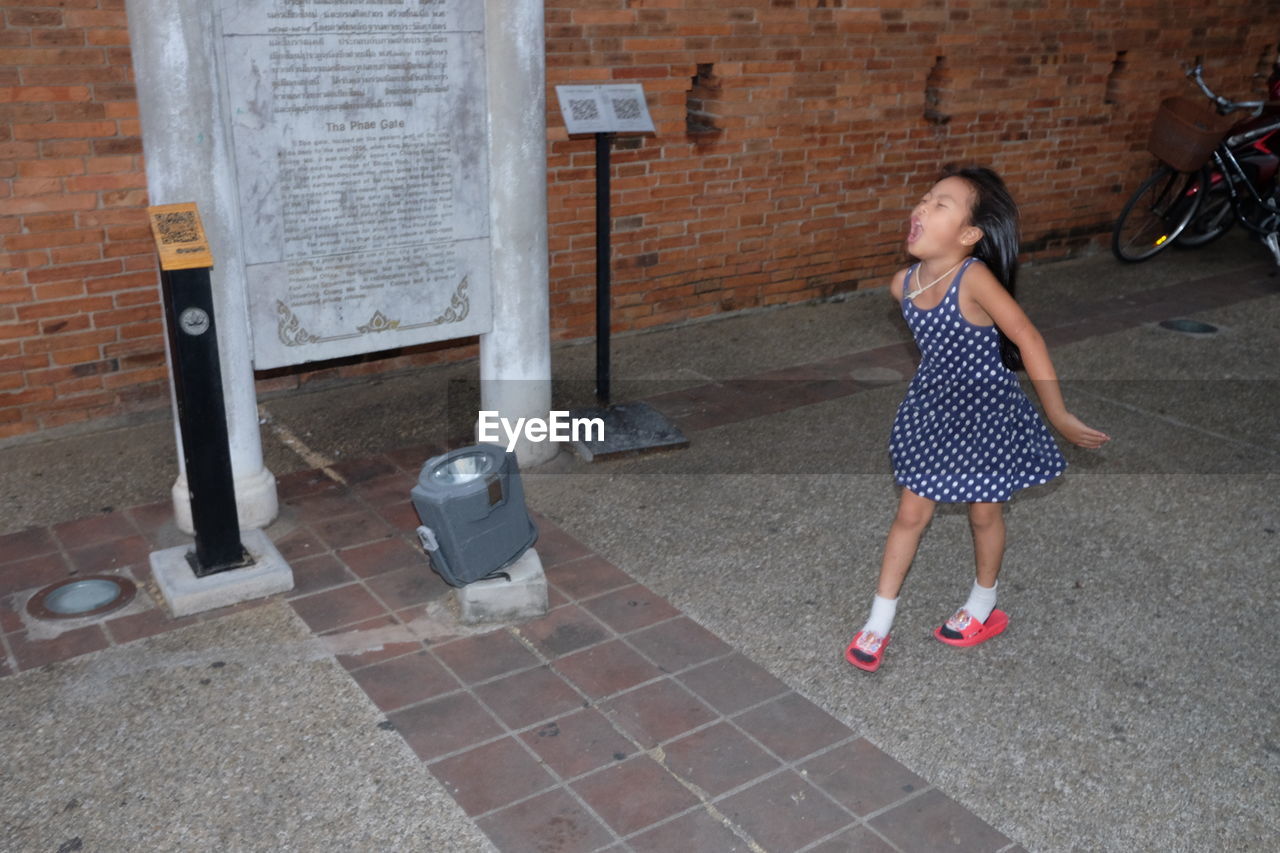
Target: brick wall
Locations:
point(79, 319)
point(792, 136)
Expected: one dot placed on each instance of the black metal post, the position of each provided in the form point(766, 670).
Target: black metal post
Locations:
point(604, 223)
point(202, 417)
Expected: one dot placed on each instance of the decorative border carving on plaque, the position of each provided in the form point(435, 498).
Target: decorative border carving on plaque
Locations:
point(292, 333)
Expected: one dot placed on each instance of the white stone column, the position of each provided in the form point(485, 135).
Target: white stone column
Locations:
point(188, 157)
point(515, 357)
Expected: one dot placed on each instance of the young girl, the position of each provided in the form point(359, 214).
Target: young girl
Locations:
point(965, 431)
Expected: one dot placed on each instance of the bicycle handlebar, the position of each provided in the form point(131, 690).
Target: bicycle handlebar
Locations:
point(1224, 105)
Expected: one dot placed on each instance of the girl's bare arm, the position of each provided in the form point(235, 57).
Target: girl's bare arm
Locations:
point(1013, 321)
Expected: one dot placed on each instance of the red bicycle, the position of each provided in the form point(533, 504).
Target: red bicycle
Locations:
point(1214, 172)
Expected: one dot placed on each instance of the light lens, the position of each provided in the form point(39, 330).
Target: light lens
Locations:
point(82, 596)
point(462, 469)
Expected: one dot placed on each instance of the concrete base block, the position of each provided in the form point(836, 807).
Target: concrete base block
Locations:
point(501, 600)
point(257, 504)
point(186, 594)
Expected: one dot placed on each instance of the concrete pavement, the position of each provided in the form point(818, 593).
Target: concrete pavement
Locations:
point(1131, 704)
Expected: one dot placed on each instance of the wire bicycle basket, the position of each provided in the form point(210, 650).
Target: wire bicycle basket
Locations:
point(1185, 132)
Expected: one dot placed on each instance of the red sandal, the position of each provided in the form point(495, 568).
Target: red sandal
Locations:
point(866, 651)
point(963, 630)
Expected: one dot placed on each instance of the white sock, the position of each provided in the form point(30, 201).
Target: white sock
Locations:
point(881, 618)
point(982, 600)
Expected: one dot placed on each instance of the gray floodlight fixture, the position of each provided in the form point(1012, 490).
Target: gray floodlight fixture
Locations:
point(474, 520)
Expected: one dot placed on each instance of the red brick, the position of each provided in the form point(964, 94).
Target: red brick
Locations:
point(64, 130)
point(53, 202)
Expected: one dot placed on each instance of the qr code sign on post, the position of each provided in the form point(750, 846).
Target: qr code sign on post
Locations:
point(626, 108)
point(584, 110)
point(177, 227)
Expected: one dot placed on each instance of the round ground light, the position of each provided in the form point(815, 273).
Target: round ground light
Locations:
point(1188, 327)
point(76, 598)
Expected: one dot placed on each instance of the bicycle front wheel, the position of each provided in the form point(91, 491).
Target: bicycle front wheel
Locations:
point(1214, 217)
point(1156, 215)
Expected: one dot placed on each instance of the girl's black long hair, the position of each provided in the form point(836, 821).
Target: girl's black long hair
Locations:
point(995, 212)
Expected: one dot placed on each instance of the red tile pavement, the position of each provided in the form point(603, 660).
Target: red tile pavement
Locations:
point(613, 722)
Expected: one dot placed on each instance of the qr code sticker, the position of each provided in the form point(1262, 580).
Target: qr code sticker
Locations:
point(626, 108)
point(177, 227)
point(584, 110)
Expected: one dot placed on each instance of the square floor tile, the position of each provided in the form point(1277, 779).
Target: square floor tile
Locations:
point(529, 697)
point(354, 529)
point(554, 546)
point(606, 669)
point(857, 839)
point(333, 608)
point(718, 759)
point(33, 572)
point(630, 608)
point(30, 654)
point(578, 743)
point(448, 724)
point(563, 630)
point(491, 776)
point(404, 680)
point(370, 642)
point(784, 812)
point(411, 459)
point(26, 543)
point(389, 489)
point(588, 576)
point(407, 587)
point(553, 821)
point(401, 516)
point(678, 644)
point(296, 484)
point(657, 712)
point(298, 544)
point(147, 623)
point(112, 555)
point(792, 727)
point(934, 823)
point(862, 777)
point(366, 468)
point(315, 508)
point(485, 656)
point(313, 574)
point(733, 683)
point(149, 518)
point(93, 530)
point(695, 831)
point(634, 794)
point(385, 555)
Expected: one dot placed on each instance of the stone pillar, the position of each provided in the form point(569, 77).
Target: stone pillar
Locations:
point(188, 158)
point(515, 357)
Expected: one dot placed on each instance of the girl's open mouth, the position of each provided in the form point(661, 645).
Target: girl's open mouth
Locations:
point(914, 230)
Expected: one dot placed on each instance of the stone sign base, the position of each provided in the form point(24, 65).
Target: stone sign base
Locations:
point(186, 594)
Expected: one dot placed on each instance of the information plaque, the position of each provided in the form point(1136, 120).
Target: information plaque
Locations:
point(360, 136)
point(605, 108)
point(179, 237)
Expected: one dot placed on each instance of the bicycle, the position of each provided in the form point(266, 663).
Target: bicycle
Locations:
point(1186, 139)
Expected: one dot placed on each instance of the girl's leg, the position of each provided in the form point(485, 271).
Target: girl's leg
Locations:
point(900, 546)
point(914, 513)
point(986, 521)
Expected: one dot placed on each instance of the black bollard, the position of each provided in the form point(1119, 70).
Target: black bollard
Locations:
point(197, 379)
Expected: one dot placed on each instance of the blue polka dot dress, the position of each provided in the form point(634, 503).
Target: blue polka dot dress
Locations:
point(965, 431)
